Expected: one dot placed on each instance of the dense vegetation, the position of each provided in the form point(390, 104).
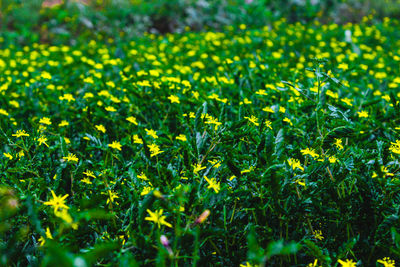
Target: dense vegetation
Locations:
point(275, 146)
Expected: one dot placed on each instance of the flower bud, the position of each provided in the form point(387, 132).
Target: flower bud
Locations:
point(203, 217)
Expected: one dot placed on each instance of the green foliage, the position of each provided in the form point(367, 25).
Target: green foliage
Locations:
point(273, 146)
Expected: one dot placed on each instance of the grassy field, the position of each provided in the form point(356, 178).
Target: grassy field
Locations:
point(274, 146)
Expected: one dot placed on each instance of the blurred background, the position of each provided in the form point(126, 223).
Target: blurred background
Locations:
point(43, 20)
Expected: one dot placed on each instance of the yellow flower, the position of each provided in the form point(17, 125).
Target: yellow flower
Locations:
point(67, 97)
point(132, 120)
point(215, 163)
point(111, 196)
point(116, 145)
point(318, 234)
point(71, 157)
point(111, 109)
point(314, 264)
point(48, 233)
point(41, 240)
point(338, 143)
point(212, 183)
point(45, 120)
point(143, 177)
point(253, 119)
point(197, 168)
point(8, 155)
point(154, 149)
point(157, 218)
point(181, 137)
point(310, 152)
point(152, 133)
point(268, 109)
point(395, 147)
point(57, 202)
point(362, 114)
point(288, 121)
point(268, 124)
point(146, 190)
point(45, 75)
point(347, 263)
point(100, 128)
point(137, 140)
point(174, 99)
point(343, 66)
point(42, 140)
point(261, 92)
point(86, 180)
point(63, 123)
point(89, 174)
point(295, 163)
point(3, 112)
point(20, 133)
point(387, 262)
point(332, 159)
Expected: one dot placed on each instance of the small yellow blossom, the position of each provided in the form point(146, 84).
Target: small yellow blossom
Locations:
point(332, 159)
point(215, 163)
point(71, 157)
point(67, 97)
point(362, 114)
point(111, 196)
point(86, 180)
point(116, 145)
point(157, 218)
point(181, 137)
point(395, 147)
point(132, 119)
point(212, 183)
point(20, 133)
point(338, 143)
point(318, 234)
point(45, 120)
point(146, 190)
point(57, 202)
point(253, 119)
point(288, 121)
point(42, 140)
point(100, 128)
point(387, 262)
point(137, 140)
point(89, 174)
point(154, 149)
point(3, 112)
point(8, 155)
point(295, 163)
point(63, 123)
point(111, 109)
point(143, 177)
point(268, 109)
point(197, 168)
point(261, 92)
point(347, 263)
point(268, 124)
point(310, 152)
point(152, 133)
point(174, 99)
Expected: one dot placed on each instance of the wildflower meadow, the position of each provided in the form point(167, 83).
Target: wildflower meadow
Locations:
point(245, 145)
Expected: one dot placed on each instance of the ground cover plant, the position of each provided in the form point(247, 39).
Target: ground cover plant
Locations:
point(275, 146)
